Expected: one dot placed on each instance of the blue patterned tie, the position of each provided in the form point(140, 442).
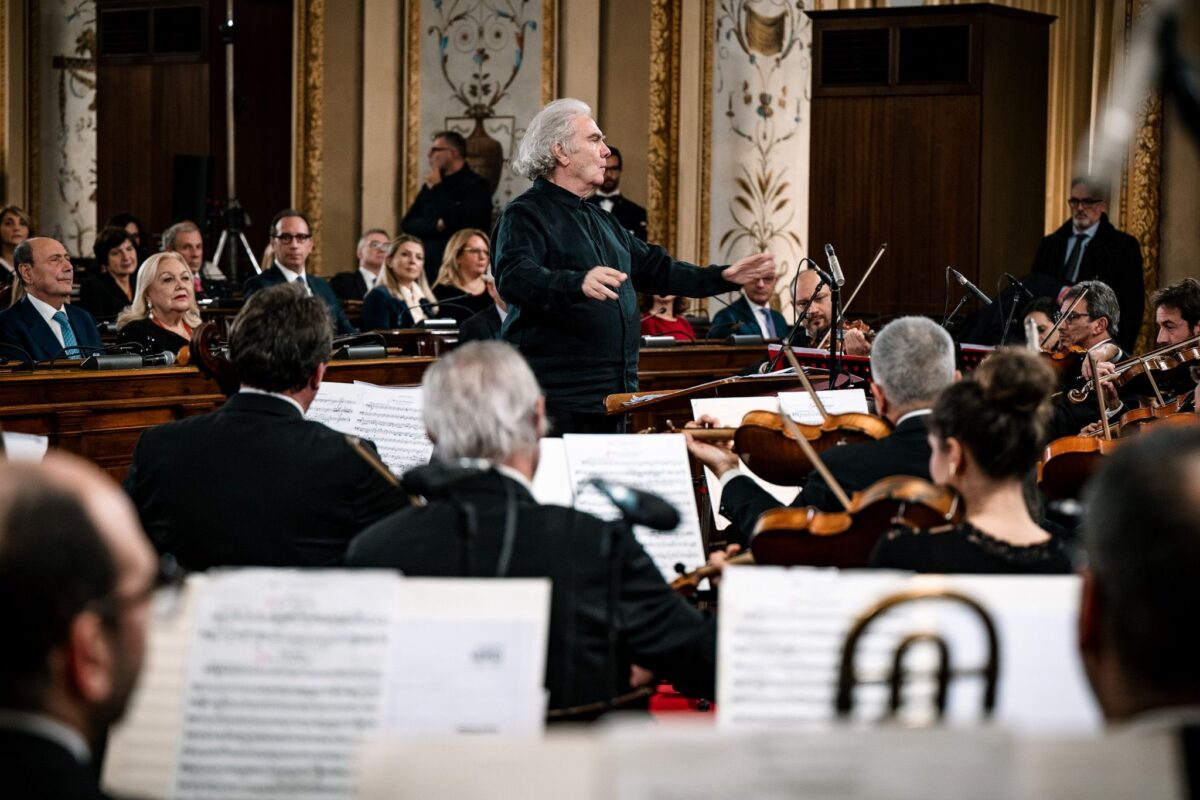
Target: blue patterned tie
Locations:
point(70, 343)
point(769, 324)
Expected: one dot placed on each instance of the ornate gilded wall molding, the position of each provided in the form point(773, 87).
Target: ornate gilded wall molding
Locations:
point(34, 104)
point(1140, 189)
point(310, 109)
point(412, 103)
point(7, 53)
point(663, 150)
point(549, 50)
point(706, 136)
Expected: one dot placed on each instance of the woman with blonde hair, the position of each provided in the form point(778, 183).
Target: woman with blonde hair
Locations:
point(403, 297)
point(15, 227)
point(461, 285)
point(163, 313)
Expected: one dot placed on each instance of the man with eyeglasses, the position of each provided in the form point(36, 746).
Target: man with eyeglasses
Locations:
point(371, 253)
point(291, 239)
point(453, 197)
point(43, 325)
point(608, 196)
point(1090, 325)
point(1087, 247)
point(76, 580)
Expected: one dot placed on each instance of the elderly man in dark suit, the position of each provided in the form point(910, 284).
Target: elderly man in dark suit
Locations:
point(43, 325)
point(912, 360)
point(76, 576)
point(291, 236)
point(254, 483)
point(482, 404)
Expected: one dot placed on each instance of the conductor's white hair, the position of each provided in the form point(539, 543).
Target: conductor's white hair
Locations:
point(481, 403)
point(913, 360)
point(553, 125)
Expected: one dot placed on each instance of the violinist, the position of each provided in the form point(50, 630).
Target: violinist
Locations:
point(985, 434)
point(1042, 311)
point(820, 314)
point(1085, 327)
point(911, 362)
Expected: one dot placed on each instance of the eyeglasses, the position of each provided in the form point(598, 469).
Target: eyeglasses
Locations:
point(167, 586)
point(1085, 202)
point(433, 150)
point(612, 169)
point(476, 251)
point(1074, 315)
point(377, 245)
point(288, 238)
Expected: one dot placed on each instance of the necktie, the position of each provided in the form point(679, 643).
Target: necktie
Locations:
point(70, 343)
point(300, 279)
point(768, 324)
point(1071, 270)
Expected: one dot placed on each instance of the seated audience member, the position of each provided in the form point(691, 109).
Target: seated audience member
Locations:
point(814, 297)
point(291, 236)
point(986, 433)
point(164, 312)
point(15, 227)
point(1042, 310)
point(136, 230)
point(487, 323)
point(254, 483)
point(483, 407)
point(1137, 614)
point(911, 362)
point(463, 272)
point(662, 315)
point(109, 293)
point(750, 314)
point(43, 325)
point(403, 297)
point(76, 578)
point(371, 251)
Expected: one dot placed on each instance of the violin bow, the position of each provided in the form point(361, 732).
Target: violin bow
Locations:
point(791, 357)
point(1100, 398)
point(372, 459)
point(811, 452)
point(854, 294)
point(1054, 327)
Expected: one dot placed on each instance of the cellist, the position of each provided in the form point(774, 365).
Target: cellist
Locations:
point(911, 362)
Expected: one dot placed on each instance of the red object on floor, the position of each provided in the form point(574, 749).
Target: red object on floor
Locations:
point(668, 701)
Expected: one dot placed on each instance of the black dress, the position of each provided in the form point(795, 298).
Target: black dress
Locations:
point(101, 296)
point(152, 337)
point(964, 548)
point(460, 309)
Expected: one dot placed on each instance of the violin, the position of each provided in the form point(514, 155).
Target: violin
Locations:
point(1066, 361)
point(1143, 375)
point(688, 583)
point(806, 536)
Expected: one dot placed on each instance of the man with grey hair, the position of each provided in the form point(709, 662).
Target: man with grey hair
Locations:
point(570, 273)
point(185, 238)
point(371, 253)
point(912, 360)
point(485, 414)
point(254, 483)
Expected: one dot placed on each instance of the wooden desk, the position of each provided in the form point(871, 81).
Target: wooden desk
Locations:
point(100, 415)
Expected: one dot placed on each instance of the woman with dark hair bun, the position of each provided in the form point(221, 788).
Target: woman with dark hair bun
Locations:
point(987, 433)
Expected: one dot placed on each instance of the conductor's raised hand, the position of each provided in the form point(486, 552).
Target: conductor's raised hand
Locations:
point(751, 268)
point(601, 283)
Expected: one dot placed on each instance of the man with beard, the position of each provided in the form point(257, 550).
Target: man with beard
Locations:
point(813, 295)
point(631, 216)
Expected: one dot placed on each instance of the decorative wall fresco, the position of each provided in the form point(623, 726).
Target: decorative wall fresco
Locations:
point(760, 132)
point(66, 77)
point(482, 72)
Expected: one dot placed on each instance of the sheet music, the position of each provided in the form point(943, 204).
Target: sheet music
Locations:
point(781, 634)
point(652, 463)
point(25, 446)
point(728, 411)
point(389, 416)
point(801, 408)
point(472, 657)
point(552, 481)
point(287, 671)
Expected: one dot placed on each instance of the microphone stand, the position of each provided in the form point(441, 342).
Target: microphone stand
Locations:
point(961, 302)
point(837, 337)
point(787, 341)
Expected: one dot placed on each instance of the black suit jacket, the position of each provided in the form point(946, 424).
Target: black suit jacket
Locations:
point(726, 321)
point(461, 200)
point(658, 630)
point(254, 484)
point(349, 285)
point(35, 768)
point(27, 335)
point(1111, 256)
point(320, 288)
point(631, 216)
point(857, 466)
point(481, 326)
point(102, 298)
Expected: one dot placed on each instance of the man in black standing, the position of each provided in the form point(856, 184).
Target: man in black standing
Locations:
point(631, 216)
point(453, 197)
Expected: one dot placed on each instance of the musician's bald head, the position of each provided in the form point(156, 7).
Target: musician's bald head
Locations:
point(1139, 608)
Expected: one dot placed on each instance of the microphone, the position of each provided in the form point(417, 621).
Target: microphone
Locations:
point(970, 287)
point(638, 507)
point(824, 276)
point(128, 361)
point(835, 266)
point(1019, 285)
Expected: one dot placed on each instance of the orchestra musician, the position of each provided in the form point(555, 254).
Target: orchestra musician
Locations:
point(911, 362)
point(985, 433)
point(1086, 327)
point(819, 303)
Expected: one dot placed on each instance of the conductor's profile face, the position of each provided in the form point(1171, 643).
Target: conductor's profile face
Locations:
point(589, 154)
